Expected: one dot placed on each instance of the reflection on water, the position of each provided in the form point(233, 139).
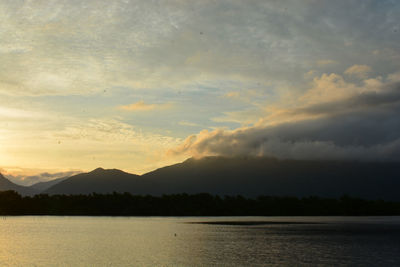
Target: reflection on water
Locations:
point(152, 241)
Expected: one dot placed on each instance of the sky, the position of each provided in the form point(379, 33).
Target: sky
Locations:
point(137, 85)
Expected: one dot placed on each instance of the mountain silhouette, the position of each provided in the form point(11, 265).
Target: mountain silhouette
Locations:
point(98, 181)
point(247, 176)
point(42, 186)
point(6, 184)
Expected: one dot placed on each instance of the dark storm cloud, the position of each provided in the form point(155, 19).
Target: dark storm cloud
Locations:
point(361, 127)
point(364, 101)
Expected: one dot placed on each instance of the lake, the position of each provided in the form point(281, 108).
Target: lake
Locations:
point(187, 241)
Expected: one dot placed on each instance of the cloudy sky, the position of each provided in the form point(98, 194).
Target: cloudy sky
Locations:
point(136, 85)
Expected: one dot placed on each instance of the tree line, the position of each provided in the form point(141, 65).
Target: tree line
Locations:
point(125, 204)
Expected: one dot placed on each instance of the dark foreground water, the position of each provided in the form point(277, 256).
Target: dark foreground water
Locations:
point(226, 241)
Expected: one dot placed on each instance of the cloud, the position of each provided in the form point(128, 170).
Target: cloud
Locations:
point(141, 106)
point(243, 117)
point(13, 113)
point(20, 176)
point(232, 94)
point(328, 94)
point(359, 71)
point(361, 125)
point(329, 87)
point(326, 62)
point(72, 47)
point(394, 77)
point(84, 144)
point(311, 139)
point(188, 123)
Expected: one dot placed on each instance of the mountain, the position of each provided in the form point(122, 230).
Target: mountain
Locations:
point(6, 184)
point(98, 180)
point(247, 176)
point(42, 186)
point(253, 176)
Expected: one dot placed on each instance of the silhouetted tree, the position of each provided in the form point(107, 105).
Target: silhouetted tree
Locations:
point(125, 204)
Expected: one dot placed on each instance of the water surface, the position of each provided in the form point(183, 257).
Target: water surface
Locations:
point(174, 241)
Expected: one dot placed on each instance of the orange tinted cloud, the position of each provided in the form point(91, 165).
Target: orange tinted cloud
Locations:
point(142, 106)
point(359, 71)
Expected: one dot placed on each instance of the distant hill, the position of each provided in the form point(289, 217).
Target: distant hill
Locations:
point(98, 180)
point(247, 176)
point(6, 184)
point(42, 186)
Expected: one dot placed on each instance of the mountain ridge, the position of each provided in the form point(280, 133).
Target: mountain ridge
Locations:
point(253, 176)
point(83, 183)
point(247, 176)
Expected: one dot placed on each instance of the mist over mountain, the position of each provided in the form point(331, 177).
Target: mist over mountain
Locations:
point(247, 176)
point(6, 184)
